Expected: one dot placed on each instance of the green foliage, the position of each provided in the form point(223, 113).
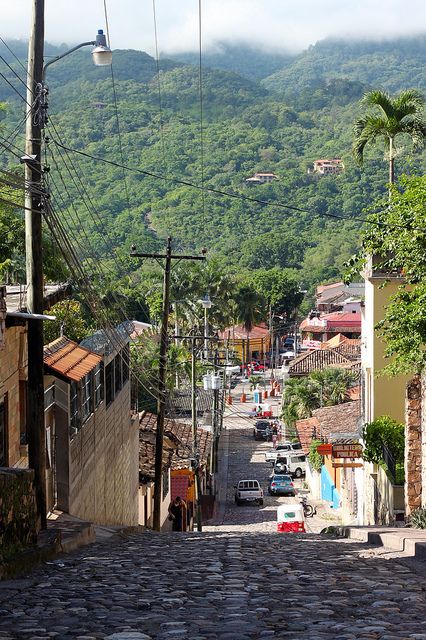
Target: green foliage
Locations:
point(418, 518)
point(397, 239)
point(316, 460)
point(255, 381)
point(383, 431)
point(319, 389)
point(70, 321)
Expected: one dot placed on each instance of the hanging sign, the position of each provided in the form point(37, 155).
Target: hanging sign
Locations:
point(325, 449)
point(352, 450)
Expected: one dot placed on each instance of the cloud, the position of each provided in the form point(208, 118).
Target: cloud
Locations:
point(271, 24)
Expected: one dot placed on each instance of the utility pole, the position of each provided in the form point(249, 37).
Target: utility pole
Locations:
point(34, 262)
point(195, 453)
point(164, 342)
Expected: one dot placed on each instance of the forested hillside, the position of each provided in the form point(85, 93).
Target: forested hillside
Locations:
point(281, 124)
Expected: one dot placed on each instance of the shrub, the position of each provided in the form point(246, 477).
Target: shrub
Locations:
point(418, 518)
point(316, 460)
point(383, 431)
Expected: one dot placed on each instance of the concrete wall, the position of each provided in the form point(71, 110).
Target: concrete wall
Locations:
point(329, 490)
point(13, 362)
point(104, 465)
point(18, 516)
point(382, 395)
point(381, 497)
point(146, 506)
point(313, 479)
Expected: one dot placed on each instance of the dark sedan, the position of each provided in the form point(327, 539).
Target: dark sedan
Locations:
point(262, 430)
point(281, 485)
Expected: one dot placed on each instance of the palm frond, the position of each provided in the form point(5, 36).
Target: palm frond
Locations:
point(380, 99)
point(410, 101)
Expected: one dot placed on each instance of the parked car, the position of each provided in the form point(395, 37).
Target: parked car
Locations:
point(293, 463)
point(262, 430)
point(284, 447)
point(248, 491)
point(281, 485)
point(289, 342)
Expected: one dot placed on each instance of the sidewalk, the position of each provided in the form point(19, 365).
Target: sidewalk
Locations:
point(410, 542)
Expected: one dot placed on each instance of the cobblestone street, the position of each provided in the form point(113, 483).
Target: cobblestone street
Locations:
point(237, 580)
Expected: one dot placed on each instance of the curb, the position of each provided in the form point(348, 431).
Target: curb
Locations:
point(410, 542)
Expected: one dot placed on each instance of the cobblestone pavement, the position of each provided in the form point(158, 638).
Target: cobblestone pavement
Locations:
point(236, 581)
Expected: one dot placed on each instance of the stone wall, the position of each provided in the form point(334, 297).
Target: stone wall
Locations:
point(18, 516)
point(413, 445)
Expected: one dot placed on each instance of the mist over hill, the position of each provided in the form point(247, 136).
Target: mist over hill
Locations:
point(256, 117)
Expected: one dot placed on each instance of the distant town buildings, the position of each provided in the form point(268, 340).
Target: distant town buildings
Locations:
point(261, 178)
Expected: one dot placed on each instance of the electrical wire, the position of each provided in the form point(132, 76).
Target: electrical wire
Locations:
point(13, 54)
point(160, 101)
point(200, 90)
point(13, 71)
point(114, 92)
point(237, 196)
point(14, 89)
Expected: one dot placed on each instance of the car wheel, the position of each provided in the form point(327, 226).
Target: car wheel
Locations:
point(237, 502)
point(298, 473)
point(261, 503)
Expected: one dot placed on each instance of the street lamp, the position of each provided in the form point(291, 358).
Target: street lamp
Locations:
point(102, 54)
point(207, 304)
point(34, 204)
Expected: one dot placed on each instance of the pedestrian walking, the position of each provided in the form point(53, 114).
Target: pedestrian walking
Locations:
point(176, 510)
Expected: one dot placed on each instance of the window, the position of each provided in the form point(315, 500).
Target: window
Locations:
point(165, 481)
point(86, 396)
point(109, 383)
point(74, 417)
point(99, 384)
point(126, 363)
point(3, 433)
point(118, 372)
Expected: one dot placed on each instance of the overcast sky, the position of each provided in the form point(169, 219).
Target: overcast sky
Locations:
point(283, 24)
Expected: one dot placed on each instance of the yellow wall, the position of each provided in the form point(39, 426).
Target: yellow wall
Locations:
point(384, 395)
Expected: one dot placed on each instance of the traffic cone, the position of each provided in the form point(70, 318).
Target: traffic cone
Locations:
point(265, 394)
point(229, 399)
point(243, 397)
point(272, 392)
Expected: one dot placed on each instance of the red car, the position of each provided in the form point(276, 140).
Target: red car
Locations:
point(256, 366)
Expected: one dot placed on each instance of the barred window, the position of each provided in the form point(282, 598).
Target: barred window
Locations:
point(126, 363)
point(99, 384)
point(109, 383)
point(118, 372)
point(86, 396)
point(74, 417)
point(165, 483)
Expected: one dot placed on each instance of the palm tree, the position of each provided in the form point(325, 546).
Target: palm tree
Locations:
point(249, 310)
point(390, 117)
point(334, 385)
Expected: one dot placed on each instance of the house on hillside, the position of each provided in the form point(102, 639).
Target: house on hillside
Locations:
point(327, 166)
point(332, 297)
point(261, 178)
point(321, 327)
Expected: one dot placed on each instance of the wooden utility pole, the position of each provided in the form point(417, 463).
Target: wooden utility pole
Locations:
point(195, 452)
point(34, 262)
point(162, 368)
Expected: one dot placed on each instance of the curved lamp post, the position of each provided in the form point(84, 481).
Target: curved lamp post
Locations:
point(102, 54)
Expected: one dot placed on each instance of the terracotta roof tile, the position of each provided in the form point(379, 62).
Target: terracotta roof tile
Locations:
point(307, 430)
point(316, 360)
point(70, 360)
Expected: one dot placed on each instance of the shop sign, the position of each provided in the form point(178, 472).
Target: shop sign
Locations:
point(351, 450)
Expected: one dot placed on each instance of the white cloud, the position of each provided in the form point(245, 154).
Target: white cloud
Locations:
point(283, 24)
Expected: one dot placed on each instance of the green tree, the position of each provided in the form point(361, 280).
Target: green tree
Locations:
point(70, 321)
point(390, 116)
point(250, 309)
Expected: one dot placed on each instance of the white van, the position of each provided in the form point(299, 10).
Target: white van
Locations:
point(294, 464)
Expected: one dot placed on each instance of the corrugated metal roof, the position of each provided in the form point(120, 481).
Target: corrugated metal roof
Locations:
point(67, 358)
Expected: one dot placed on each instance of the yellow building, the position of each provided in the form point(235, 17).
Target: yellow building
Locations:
point(254, 345)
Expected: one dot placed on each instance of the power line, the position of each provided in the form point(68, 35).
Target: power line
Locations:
point(13, 54)
point(160, 102)
point(236, 196)
point(200, 89)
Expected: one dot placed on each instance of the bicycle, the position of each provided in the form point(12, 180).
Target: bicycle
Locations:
point(308, 510)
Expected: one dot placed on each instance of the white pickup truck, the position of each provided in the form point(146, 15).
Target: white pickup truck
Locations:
point(282, 449)
point(248, 491)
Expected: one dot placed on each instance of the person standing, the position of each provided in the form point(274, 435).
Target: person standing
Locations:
point(176, 510)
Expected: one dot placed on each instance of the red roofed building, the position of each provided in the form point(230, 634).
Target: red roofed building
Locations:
point(325, 326)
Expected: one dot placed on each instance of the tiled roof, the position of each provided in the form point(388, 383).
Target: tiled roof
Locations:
point(238, 332)
point(179, 438)
point(349, 348)
point(316, 360)
point(341, 418)
point(307, 430)
point(68, 359)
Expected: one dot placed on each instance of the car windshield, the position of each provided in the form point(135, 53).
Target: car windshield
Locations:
point(262, 426)
point(281, 479)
